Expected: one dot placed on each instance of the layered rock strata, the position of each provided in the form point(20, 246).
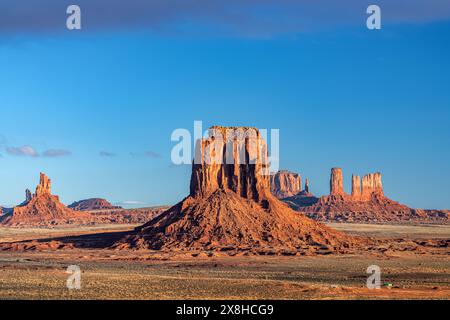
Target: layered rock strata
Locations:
point(285, 184)
point(231, 208)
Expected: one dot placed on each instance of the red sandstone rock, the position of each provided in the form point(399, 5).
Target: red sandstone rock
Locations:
point(336, 182)
point(45, 210)
point(44, 186)
point(285, 184)
point(42, 209)
point(230, 207)
point(371, 185)
point(356, 187)
point(231, 159)
point(367, 204)
point(92, 204)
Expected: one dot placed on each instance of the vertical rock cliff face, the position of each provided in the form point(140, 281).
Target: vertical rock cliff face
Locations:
point(356, 187)
point(232, 159)
point(285, 184)
point(372, 186)
point(44, 186)
point(336, 182)
point(230, 207)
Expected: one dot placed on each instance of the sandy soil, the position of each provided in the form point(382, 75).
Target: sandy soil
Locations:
point(394, 231)
point(8, 234)
point(109, 274)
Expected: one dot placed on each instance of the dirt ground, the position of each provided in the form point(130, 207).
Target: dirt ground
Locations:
point(110, 274)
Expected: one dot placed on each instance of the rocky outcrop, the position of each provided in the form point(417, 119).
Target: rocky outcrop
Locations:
point(230, 207)
point(44, 187)
point(93, 204)
point(430, 215)
point(285, 184)
point(42, 209)
point(336, 182)
point(124, 216)
point(366, 204)
point(302, 199)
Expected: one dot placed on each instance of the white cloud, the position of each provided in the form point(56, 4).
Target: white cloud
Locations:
point(26, 151)
point(56, 153)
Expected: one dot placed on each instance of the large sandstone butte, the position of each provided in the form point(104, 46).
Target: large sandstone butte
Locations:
point(41, 209)
point(230, 207)
point(285, 184)
point(366, 203)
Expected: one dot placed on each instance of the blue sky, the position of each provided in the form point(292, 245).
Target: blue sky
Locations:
point(95, 108)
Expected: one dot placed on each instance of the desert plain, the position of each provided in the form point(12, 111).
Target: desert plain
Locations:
point(149, 274)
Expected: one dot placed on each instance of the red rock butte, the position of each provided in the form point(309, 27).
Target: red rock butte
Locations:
point(41, 209)
point(230, 206)
point(366, 203)
point(285, 184)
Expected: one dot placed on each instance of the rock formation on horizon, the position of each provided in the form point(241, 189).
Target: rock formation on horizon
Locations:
point(41, 209)
point(366, 203)
point(301, 199)
point(231, 208)
point(92, 204)
point(307, 185)
point(43, 188)
point(285, 184)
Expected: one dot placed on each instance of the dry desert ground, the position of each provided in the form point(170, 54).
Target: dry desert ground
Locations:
point(138, 274)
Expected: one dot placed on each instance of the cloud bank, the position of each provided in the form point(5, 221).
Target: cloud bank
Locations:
point(53, 153)
point(148, 154)
point(245, 18)
point(24, 151)
point(29, 151)
point(106, 154)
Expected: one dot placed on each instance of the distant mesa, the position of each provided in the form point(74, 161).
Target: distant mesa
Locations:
point(230, 207)
point(285, 184)
point(92, 205)
point(367, 203)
